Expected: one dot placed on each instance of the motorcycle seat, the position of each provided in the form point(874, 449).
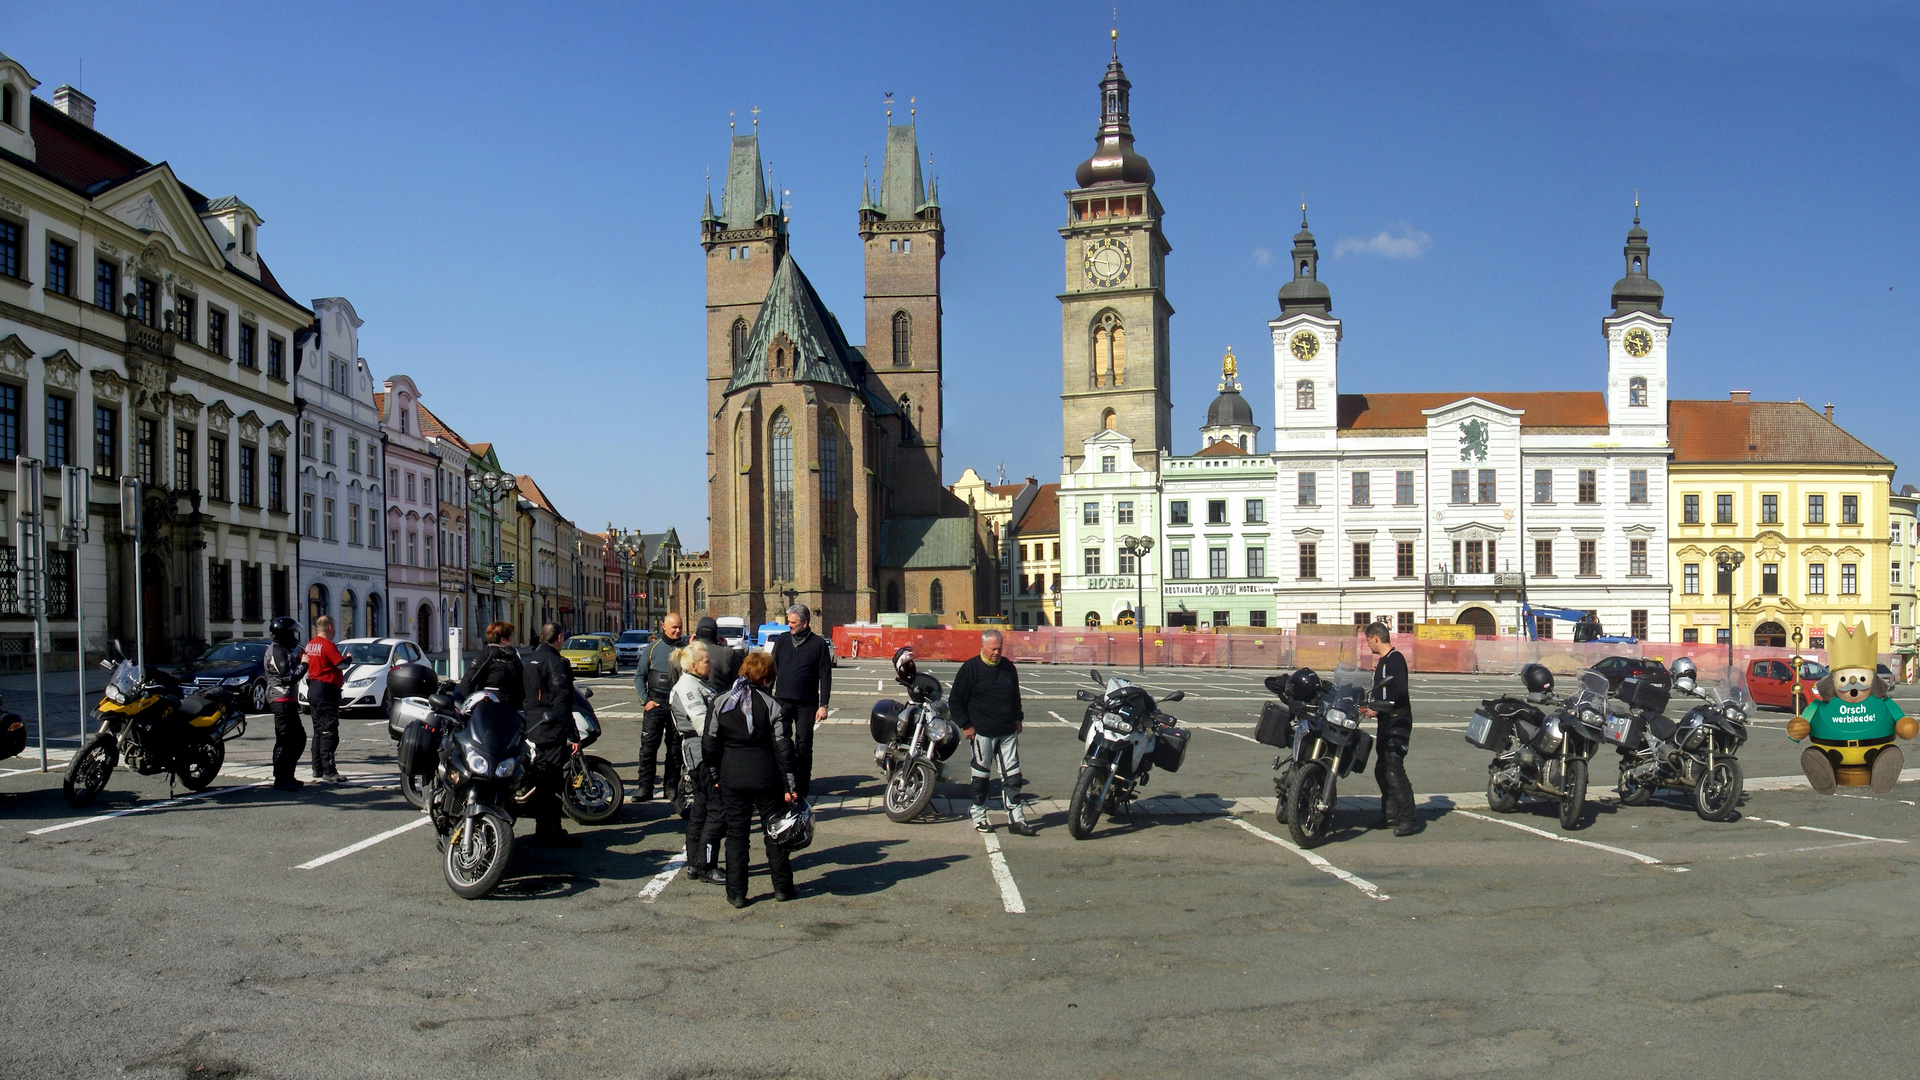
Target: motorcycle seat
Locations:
point(194, 706)
point(1661, 727)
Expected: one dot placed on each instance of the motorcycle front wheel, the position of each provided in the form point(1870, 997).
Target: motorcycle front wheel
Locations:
point(595, 795)
point(472, 874)
point(1573, 793)
point(909, 790)
point(200, 763)
point(1089, 794)
point(1309, 824)
point(88, 771)
point(1718, 792)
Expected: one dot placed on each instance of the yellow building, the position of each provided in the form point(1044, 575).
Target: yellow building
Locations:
point(1802, 504)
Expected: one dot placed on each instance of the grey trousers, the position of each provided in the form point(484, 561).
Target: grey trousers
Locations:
point(989, 753)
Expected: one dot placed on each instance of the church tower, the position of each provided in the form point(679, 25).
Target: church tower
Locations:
point(1114, 312)
point(1306, 348)
point(904, 241)
point(1636, 333)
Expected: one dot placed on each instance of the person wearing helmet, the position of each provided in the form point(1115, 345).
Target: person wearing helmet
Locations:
point(986, 705)
point(1393, 709)
point(285, 664)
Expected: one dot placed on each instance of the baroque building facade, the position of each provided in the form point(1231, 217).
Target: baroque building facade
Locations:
point(412, 523)
point(343, 560)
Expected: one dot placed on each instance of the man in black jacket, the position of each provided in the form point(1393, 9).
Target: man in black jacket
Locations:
point(286, 664)
point(986, 705)
point(726, 659)
point(655, 681)
point(1393, 708)
point(803, 680)
point(550, 728)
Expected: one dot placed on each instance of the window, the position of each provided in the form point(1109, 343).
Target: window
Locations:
point(413, 549)
point(831, 510)
point(10, 442)
point(1690, 509)
point(1816, 509)
point(146, 450)
point(1462, 489)
point(1690, 579)
point(216, 331)
point(249, 351)
point(306, 513)
point(282, 592)
point(393, 541)
point(1109, 464)
point(1543, 558)
point(406, 421)
point(1256, 618)
point(326, 445)
point(106, 284)
point(1637, 623)
point(217, 467)
point(59, 267)
point(1303, 394)
point(1182, 564)
point(326, 520)
point(1849, 579)
point(1896, 573)
point(1123, 512)
point(1309, 561)
point(937, 598)
point(1723, 509)
point(59, 431)
point(410, 475)
point(219, 591)
point(1092, 560)
point(1090, 513)
point(1488, 492)
point(737, 338)
point(1403, 559)
point(1128, 562)
point(250, 592)
point(902, 339)
point(1769, 510)
point(1589, 558)
point(1305, 494)
point(1722, 580)
point(1362, 489)
point(106, 441)
point(277, 484)
point(1849, 509)
point(393, 482)
point(8, 103)
point(782, 492)
point(1637, 560)
point(183, 459)
point(1309, 618)
point(146, 301)
point(1543, 485)
point(1177, 512)
point(1722, 636)
point(1637, 395)
point(353, 454)
point(1217, 562)
point(1476, 559)
point(1362, 559)
point(276, 357)
point(248, 464)
point(306, 438)
point(9, 246)
point(1817, 579)
point(1256, 511)
point(183, 317)
point(1256, 562)
point(1109, 351)
point(1637, 485)
point(1216, 511)
point(1690, 636)
point(1589, 486)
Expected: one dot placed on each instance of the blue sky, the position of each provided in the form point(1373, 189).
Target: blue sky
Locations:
point(510, 194)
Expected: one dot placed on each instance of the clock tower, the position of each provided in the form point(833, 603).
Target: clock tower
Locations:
point(1636, 333)
point(1114, 313)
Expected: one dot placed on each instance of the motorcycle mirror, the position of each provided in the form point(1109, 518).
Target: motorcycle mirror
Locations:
point(1177, 695)
point(1094, 674)
point(114, 650)
point(586, 691)
point(1084, 695)
point(107, 665)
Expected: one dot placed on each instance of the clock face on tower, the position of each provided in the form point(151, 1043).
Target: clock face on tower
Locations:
point(1305, 345)
point(1638, 342)
point(1108, 261)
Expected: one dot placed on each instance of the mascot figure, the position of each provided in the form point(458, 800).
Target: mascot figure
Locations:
point(1852, 720)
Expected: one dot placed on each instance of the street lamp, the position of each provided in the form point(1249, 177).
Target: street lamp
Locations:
point(495, 485)
point(1728, 562)
point(628, 551)
point(1138, 547)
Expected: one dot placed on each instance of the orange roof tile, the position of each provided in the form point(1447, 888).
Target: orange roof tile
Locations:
point(1043, 513)
point(1222, 448)
point(432, 427)
point(1784, 432)
point(1539, 409)
point(534, 495)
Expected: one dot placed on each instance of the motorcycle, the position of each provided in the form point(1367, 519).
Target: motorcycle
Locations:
point(1326, 744)
point(470, 793)
point(13, 733)
point(1695, 755)
point(1126, 735)
point(151, 723)
point(591, 792)
point(912, 744)
point(1541, 753)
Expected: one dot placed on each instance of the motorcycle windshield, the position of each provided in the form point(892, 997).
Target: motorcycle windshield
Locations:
point(1593, 692)
point(1733, 692)
point(125, 680)
point(495, 729)
point(1347, 689)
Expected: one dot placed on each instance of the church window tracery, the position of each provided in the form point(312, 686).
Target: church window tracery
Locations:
point(1109, 350)
point(737, 339)
point(782, 497)
point(902, 339)
point(833, 485)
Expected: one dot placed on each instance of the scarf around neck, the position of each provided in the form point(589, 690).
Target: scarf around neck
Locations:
point(740, 694)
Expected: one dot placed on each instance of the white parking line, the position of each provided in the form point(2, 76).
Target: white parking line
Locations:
point(660, 880)
point(1222, 731)
point(1798, 850)
point(162, 805)
point(1829, 832)
point(1062, 719)
point(1003, 876)
point(1647, 859)
point(1315, 861)
point(364, 844)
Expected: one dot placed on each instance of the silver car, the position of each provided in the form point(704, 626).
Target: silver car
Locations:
point(628, 647)
point(368, 661)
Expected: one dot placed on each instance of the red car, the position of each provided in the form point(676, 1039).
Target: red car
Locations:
point(1771, 682)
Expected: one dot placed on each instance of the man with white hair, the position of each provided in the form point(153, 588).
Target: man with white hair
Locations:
point(986, 705)
point(803, 681)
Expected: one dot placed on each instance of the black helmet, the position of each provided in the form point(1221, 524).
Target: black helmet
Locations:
point(412, 680)
point(1538, 679)
point(884, 721)
point(285, 632)
point(793, 830)
point(903, 666)
point(1303, 685)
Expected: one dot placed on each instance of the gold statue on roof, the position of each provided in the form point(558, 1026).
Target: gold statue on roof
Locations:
point(1229, 367)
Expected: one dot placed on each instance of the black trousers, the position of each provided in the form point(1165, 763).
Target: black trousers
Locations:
point(706, 825)
point(324, 700)
point(656, 730)
point(1390, 770)
point(289, 738)
point(802, 713)
point(740, 806)
point(549, 772)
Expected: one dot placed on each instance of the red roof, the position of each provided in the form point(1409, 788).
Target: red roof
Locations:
point(1781, 432)
point(1221, 449)
point(431, 427)
point(1539, 409)
point(535, 496)
point(1043, 513)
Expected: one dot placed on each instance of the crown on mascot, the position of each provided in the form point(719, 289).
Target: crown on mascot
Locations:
point(1853, 647)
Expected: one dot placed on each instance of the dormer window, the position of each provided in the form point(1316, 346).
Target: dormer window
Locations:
point(246, 239)
point(404, 422)
point(1637, 391)
point(9, 105)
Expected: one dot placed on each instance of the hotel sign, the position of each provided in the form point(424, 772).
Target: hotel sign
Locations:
point(1223, 589)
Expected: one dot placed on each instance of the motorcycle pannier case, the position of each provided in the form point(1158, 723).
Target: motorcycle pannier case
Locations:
point(1489, 730)
point(1362, 749)
point(1169, 749)
point(1623, 730)
point(1276, 725)
point(419, 749)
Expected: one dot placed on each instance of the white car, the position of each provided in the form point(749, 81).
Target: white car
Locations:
point(368, 661)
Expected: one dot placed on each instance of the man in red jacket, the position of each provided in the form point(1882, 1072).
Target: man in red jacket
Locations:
point(326, 670)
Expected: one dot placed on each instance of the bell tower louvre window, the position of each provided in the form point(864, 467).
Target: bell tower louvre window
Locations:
point(902, 339)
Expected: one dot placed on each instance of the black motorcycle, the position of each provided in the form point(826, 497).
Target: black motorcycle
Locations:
point(1541, 745)
point(1126, 736)
point(1319, 722)
point(470, 794)
point(912, 743)
point(590, 789)
point(1695, 755)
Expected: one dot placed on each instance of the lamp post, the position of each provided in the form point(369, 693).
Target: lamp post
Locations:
point(495, 486)
point(1138, 547)
point(628, 551)
point(1728, 562)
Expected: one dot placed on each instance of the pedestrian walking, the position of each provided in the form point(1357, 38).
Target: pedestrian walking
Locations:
point(726, 659)
point(326, 670)
point(1393, 710)
point(550, 728)
point(286, 664)
point(654, 681)
point(986, 704)
point(691, 701)
point(500, 670)
point(803, 685)
point(749, 746)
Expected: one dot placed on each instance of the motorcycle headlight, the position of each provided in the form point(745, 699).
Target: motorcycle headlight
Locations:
point(507, 768)
point(237, 680)
point(116, 695)
point(1115, 722)
point(1340, 717)
point(476, 762)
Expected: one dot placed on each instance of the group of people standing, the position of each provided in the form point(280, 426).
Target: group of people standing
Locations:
point(324, 668)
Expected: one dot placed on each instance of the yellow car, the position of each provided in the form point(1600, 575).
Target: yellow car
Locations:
point(591, 654)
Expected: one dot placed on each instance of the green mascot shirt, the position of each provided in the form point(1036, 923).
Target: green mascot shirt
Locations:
point(1870, 719)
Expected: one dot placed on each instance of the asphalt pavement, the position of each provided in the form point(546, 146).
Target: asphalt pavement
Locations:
point(244, 932)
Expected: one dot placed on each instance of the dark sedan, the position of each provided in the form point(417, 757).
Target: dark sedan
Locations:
point(1620, 668)
point(238, 666)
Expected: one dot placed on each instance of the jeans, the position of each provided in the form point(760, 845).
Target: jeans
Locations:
point(324, 699)
point(289, 738)
point(741, 804)
point(802, 713)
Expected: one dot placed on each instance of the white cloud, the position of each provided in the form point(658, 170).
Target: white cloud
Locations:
point(1411, 243)
point(1262, 256)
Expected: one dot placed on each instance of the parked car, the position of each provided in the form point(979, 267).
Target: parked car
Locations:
point(1618, 669)
point(732, 630)
point(1771, 681)
point(591, 654)
point(368, 661)
point(629, 645)
point(236, 665)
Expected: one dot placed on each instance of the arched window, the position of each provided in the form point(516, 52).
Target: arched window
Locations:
point(246, 239)
point(1109, 350)
point(782, 497)
point(348, 615)
point(937, 598)
point(902, 339)
point(833, 486)
point(906, 419)
point(893, 596)
point(699, 595)
point(1303, 394)
point(1108, 421)
point(316, 604)
point(737, 343)
point(1093, 618)
point(1243, 444)
point(1636, 264)
point(1636, 391)
point(374, 611)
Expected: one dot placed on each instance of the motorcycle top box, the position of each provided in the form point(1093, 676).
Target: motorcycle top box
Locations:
point(1644, 695)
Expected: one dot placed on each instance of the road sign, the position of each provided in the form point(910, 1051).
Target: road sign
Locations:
point(503, 573)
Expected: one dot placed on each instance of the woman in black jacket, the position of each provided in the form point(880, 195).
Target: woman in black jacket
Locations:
point(500, 670)
point(748, 744)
